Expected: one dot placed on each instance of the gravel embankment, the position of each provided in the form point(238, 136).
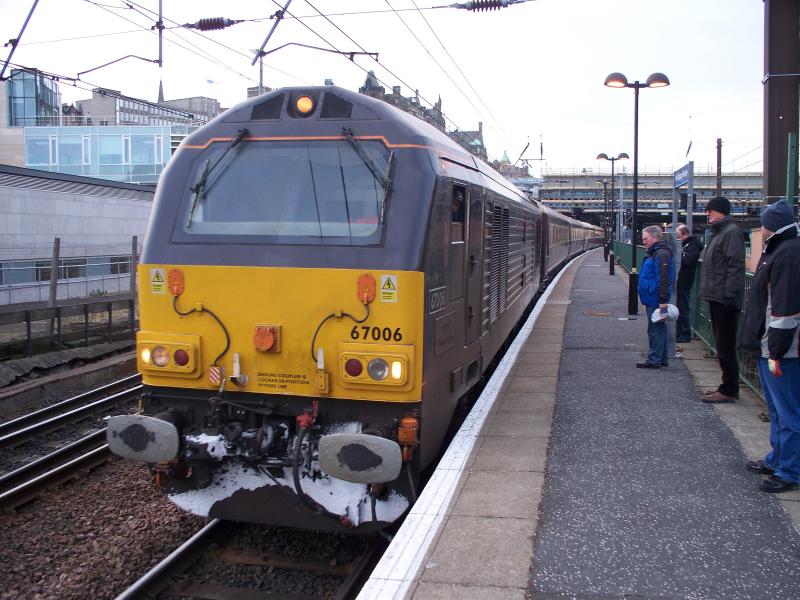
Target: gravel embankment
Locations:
point(91, 538)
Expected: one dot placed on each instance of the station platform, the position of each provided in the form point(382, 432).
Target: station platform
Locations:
point(578, 475)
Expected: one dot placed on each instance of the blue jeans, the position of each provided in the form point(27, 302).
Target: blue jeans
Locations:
point(683, 327)
point(657, 337)
point(783, 403)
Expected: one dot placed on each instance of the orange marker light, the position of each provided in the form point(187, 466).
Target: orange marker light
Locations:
point(304, 105)
point(365, 288)
point(264, 338)
point(175, 282)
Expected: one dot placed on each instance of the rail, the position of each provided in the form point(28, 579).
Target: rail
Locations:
point(27, 483)
point(25, 432)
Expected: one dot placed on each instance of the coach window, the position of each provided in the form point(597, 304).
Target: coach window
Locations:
point(457, 218)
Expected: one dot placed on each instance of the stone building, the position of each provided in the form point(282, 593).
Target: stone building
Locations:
point(374, 89)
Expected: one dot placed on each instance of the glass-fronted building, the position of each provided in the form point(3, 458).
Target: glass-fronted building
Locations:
point(134, 154)
point(32, 99)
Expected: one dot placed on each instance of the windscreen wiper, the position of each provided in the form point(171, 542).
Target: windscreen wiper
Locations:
point(199, 187)
point(376, 171)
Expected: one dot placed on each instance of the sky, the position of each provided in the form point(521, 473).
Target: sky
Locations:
point(531, 72)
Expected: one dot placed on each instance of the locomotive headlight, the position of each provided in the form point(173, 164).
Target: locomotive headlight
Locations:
point(160, 356)
point(378, 369)
point(304, 105)
point(397, 370)
point(163, 354)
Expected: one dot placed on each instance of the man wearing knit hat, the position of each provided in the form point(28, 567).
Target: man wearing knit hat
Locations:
point(722, 285)
point(769, 332)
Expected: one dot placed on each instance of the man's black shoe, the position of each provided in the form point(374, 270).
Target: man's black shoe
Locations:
point(775, 485)
point(647, 365)
point(758, 466)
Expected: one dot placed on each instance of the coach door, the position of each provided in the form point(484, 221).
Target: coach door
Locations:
point(474, 281)
point(544, 237)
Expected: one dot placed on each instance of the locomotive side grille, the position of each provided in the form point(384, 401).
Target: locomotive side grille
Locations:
point(495, 264)
point(517, 259)
point(498, 266)
point(504, 225)
point(487, 268)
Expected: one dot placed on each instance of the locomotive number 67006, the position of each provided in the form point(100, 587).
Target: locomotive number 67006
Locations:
point(376, 334)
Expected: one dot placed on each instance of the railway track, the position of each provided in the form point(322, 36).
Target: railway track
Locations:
point(22, 485)
point(30, 481)
point(164, 576)
point(42, 421)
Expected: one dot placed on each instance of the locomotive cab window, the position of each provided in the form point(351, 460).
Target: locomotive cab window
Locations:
point(458, 210)
point(293, 192)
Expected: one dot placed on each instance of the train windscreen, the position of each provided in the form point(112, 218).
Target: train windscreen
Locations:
point(312, 191)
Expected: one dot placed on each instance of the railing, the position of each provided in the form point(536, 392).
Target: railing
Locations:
point(701, 317)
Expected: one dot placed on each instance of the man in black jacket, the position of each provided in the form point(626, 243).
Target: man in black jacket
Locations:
point(770, 333)
point(690, 254)
point(722, 285)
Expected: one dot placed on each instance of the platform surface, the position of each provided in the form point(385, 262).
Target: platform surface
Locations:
point(593, 479)
point(580, 476)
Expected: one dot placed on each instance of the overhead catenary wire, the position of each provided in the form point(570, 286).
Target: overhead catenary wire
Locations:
point(82, 37)
point(433, 58)
point(200, 52)
point(733, 160)
point(218, 43)
point(455, 63)
point(410, 87)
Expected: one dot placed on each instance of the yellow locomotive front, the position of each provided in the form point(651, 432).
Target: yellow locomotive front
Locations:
point(282, 314)
point(257, 380)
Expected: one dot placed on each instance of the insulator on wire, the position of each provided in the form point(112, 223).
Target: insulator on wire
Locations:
point(481, 5)
point(211, 24)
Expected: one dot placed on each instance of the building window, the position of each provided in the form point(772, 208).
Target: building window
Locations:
point(119, 265)
point(72, 268)
point(70, 150)
point(143, 150)
point(38, 151)
point(43, 270)
point(126, 150)
point(159, 154)
point(110, 150)
point(53, 150)
point(87, 150)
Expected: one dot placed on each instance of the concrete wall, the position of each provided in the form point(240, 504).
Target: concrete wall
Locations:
point(34, 216)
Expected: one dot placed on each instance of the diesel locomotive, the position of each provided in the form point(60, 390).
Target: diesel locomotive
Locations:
point(323, 278)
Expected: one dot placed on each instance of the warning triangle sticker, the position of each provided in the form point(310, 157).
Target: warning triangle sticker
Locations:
point(388, 285)
point(158, 277)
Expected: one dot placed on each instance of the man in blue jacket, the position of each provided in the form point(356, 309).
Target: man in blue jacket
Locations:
point(655, 285)
point(770, 333)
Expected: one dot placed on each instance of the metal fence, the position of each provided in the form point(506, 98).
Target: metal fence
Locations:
point(701, 317)
point(56, 271)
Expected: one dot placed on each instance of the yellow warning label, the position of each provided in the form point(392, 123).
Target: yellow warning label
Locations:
point(388, 288)
point(157, 281)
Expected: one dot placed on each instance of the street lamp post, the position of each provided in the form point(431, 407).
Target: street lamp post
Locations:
point(604, 183)
point(618, 80)
point(613, 159)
